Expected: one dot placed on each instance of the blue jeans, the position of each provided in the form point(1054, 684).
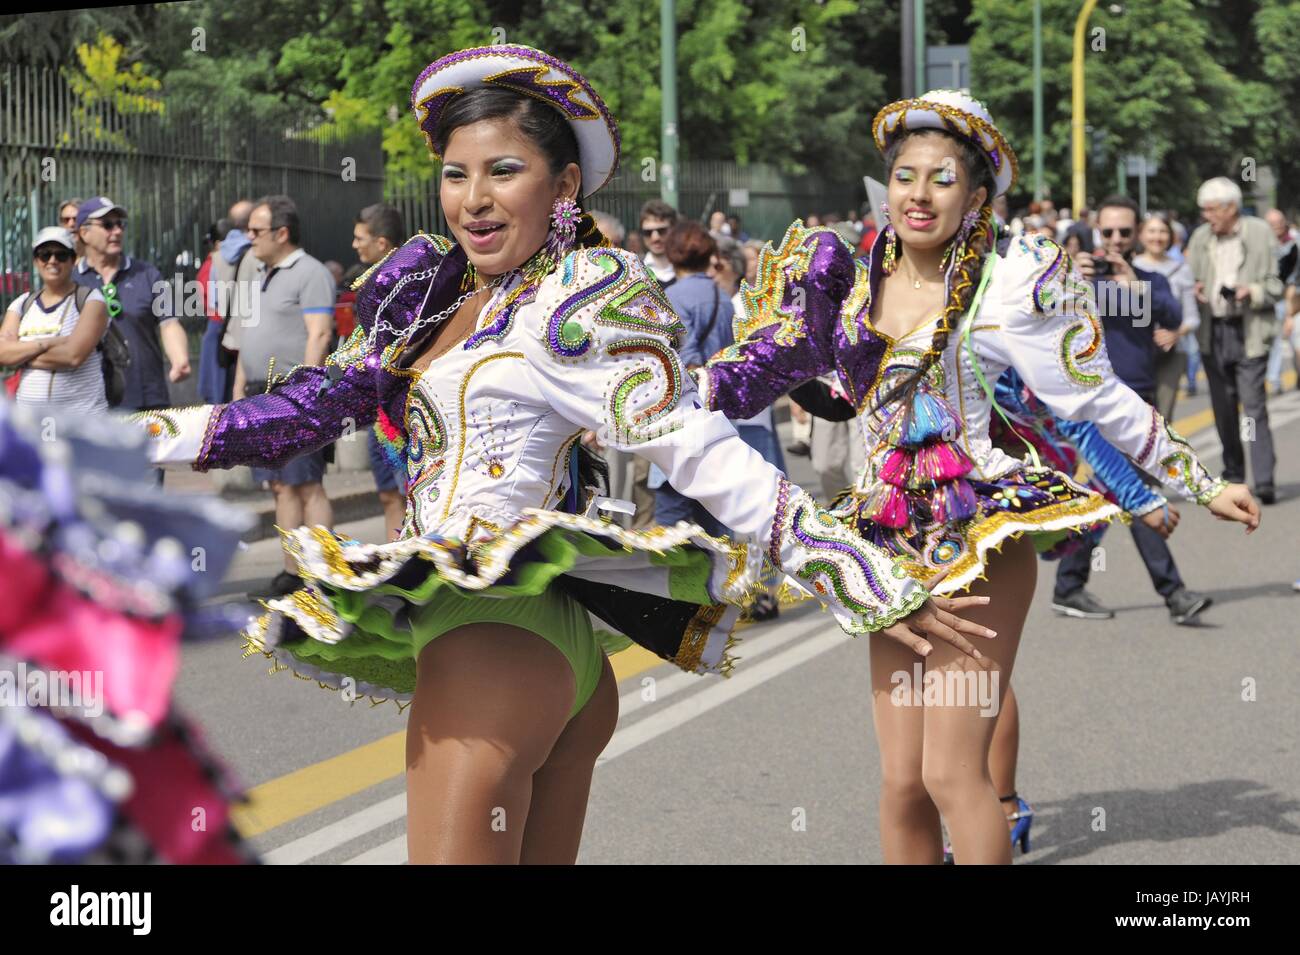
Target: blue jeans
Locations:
point(671, 507)
point(1277, 353)
point(1193, 360)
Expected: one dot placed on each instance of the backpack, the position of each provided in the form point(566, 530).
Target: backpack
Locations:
point(114, 357)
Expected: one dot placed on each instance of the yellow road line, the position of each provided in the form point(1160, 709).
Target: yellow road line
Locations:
point(313, 787)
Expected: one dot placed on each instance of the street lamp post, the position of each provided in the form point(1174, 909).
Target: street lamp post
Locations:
point(918, 37)
point(668, 105)
point(1080, 183)
point(1038, 99)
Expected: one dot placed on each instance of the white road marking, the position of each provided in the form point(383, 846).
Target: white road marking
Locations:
point(1282, 411)
point(641, 731)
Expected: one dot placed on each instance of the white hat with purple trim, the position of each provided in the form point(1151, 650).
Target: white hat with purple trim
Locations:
point(953, 112)
point(532, 73)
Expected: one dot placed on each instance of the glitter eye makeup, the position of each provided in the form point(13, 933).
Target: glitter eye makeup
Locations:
point(905, 175)
point(945, 177)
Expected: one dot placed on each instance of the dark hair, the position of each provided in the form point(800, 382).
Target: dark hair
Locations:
point(217, 231)
point(551, 133)
point(383, 221)
point(1163, 219)
point(658, 209)
point(1121, 202)
point(284, 214)
point(689, 246)
point(545, 126)
point(964, 274)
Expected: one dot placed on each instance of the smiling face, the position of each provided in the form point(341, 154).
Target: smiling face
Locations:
point(1155, 237)
point(930, 191)
point(497, 191)
point(54, 263)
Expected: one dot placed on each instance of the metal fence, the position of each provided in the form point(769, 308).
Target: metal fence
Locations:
point(175, 174)
point(771, 199)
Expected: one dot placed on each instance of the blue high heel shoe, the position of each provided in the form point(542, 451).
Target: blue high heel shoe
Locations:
point(1023, 818)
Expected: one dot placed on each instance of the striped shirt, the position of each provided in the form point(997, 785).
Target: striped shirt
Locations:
point(78, 389)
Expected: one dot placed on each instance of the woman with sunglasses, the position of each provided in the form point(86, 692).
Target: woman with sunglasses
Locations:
point(52, 335)
point(918, 334)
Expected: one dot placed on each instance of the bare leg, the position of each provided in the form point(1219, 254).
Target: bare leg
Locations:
point(316, 509)
point(909, 821)
point(562, 785)
point(394, 505)
point(490, 703)
point(957, 738)
point(1005, 750)
point(288, 514)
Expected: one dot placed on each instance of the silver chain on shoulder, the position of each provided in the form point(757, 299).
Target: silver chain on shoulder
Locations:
point(402, 335)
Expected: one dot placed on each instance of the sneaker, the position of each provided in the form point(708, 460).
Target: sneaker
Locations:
point(765, 607)
point(281, 584)
point(1081, 604)
point(1185, 604)
point(799, 449)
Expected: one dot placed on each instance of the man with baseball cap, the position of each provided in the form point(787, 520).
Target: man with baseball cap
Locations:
point(138, 301)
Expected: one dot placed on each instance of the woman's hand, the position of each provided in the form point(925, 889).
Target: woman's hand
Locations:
point(1234, 503)
point(935, 618)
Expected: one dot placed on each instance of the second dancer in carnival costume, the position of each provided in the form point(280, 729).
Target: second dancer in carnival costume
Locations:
point(918, 335)
point(483, 358)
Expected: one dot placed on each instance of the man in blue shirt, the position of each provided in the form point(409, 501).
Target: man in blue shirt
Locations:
point(139, 304)
point(1131, 304)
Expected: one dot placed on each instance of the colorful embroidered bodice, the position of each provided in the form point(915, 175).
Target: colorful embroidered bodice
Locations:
point(808, 315)
point(486, 431)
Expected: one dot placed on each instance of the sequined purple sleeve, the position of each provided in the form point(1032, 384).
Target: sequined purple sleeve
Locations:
point(786, 332)
point(313, 407)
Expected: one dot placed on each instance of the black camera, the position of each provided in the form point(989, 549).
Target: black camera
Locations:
point(1102, 267)
point(1228, 292)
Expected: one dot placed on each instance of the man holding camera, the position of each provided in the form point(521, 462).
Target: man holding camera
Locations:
point(1234, 259)
point(1132, 305)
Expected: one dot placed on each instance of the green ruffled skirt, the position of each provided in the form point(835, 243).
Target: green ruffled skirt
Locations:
point(368, 610)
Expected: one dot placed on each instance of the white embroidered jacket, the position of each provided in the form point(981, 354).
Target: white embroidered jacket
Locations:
point(491, 423)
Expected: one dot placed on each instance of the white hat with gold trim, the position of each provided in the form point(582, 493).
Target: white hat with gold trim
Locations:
point(532, 73)
point(954, 112)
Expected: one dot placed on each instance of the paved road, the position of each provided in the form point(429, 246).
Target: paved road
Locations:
point(1135, 716)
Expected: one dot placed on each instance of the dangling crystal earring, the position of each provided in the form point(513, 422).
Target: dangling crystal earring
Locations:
point(889, 261)
point(564, 227)
point(470, 278)
point(957, 247)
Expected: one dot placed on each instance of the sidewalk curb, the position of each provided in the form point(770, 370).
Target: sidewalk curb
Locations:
point(355, 506)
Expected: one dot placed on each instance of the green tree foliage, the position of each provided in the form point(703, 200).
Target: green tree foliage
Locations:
point(1199, 84)
point(1276, 30)
point(1154, 85)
